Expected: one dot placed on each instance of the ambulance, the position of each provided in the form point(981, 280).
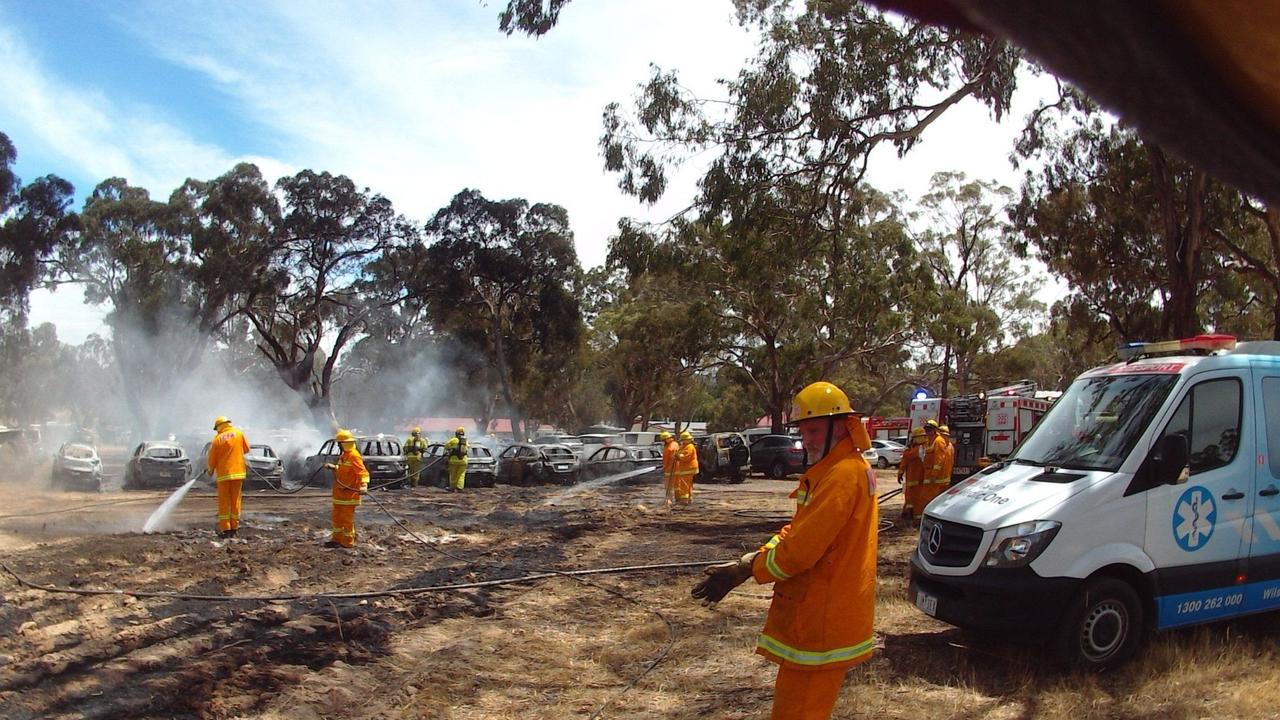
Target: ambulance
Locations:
point(1146, 498)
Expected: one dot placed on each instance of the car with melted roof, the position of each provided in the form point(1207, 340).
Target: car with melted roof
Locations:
point(382, 454)
point(528, 464)
point(157, 464)
point(482, 466)
point(616, 460)
point(77, 467)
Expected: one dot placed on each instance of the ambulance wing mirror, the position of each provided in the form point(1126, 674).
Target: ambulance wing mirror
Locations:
point(1166, 464)
point(1172, 458)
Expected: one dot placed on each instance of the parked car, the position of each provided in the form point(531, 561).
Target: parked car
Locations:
point(884, 453)
point(569, 441)
point(594, 441)
point(265, 469)
point(755, 433)
point(383, 458)
point(525, 464)
point(777, 455)
point(157, 464)
point(482, 468)
point(77, 467)
point(615, 460)
point(722, 456)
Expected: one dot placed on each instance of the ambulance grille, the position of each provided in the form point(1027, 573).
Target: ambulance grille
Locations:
point(948, 544)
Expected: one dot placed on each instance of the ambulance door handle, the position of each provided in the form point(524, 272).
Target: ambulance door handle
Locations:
point(1232, 495)
point(1269, 491)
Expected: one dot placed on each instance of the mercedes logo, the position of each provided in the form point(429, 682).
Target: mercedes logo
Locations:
point(935, 539)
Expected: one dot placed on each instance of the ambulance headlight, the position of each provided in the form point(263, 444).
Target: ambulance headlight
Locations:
point(1017, 545)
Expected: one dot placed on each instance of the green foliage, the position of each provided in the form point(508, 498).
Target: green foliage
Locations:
point(500, 277)
point(531, 17)
point(34, 221)
point(331, 239)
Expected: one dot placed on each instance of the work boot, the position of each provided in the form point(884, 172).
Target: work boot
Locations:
point(333, 544)
point(225, 533)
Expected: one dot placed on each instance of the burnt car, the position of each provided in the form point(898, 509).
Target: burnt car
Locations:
point(263, 468)
point(157, 464)
point(77, 467)
point(383, 458)
point(482, 467)
point(616, 460)
point(525, 464)
point(722, 456)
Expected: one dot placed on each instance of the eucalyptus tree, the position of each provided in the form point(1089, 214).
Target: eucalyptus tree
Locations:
point(499, 276)
point(330, 239)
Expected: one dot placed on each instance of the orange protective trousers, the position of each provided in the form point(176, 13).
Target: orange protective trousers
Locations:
point(344, 525)
point(806, 694)
point(229, 503)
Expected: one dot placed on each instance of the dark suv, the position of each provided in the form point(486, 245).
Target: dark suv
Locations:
point(382, 455)
point(777, 456)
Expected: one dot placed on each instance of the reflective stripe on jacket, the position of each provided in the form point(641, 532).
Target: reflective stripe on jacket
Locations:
point(350, 479)
point(415, 446)
point(669, 450)
point(912, 467)
point(686, 461)
point(935, 460)
point(226, 455)
point(824, 568)
point(450, 445)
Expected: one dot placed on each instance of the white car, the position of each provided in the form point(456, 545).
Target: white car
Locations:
point(884, 453)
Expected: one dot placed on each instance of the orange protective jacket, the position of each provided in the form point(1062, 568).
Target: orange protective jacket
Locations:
point(686, 461)
point(669, 449)
point(911, 469)
point(226, 455)
point(350, 479)
point(950, 463)
point(935, 460)
point(824, 568)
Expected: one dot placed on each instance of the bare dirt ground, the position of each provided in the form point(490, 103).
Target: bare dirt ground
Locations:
point(552, 648)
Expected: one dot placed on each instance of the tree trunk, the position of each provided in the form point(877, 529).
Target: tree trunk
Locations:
point(504, 377)
point(946, 371)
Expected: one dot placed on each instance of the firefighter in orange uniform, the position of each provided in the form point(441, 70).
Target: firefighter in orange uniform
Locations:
point(950, 465)
point(936, 478)
point(686, 468)
point(669, 449)
point(911, 475)
point(225, 463)
point(823, 564)
point(350, 480)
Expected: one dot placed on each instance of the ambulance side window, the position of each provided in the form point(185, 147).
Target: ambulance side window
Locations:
point(1209, 417)
point(1271, 408)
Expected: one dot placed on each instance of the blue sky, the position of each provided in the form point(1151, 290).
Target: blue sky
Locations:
point(415, 100)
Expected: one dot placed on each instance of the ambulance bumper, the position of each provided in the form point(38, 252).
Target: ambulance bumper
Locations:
point(1015, 602)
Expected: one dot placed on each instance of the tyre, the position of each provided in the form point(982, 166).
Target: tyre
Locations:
point(778, 471)
point(1102, 627)
point(736, 476)
point(882, 462)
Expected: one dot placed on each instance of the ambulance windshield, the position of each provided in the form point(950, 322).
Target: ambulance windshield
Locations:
point(1096, 422)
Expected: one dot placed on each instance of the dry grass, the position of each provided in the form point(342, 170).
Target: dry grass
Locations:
point(562, 649)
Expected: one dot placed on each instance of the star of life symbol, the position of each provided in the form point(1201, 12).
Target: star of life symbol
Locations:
point(1193, 518)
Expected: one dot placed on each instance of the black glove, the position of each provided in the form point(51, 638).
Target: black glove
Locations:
point(721, 579)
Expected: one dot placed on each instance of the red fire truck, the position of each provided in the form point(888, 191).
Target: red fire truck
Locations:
point(985, 427)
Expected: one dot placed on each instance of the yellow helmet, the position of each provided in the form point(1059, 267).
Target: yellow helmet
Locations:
point(460, 431)
point(417, 430)
point(917, 433)
point(930, 424)
point(220, 421)
point(944, 429)
point(344, 436)
point(686, 436)
point(664, 435)
point(821, 399)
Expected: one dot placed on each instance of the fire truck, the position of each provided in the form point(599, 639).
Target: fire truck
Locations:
point(887, 428)
point(985, 427)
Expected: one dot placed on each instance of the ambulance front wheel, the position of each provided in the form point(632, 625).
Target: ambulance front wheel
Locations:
point(1102, 628)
